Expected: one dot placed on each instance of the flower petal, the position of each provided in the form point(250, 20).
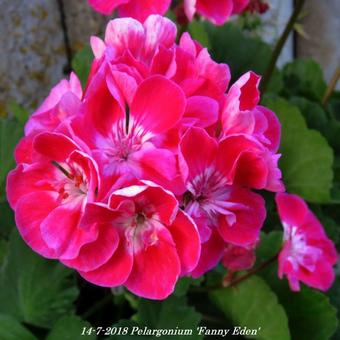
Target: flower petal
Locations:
point(151, 107)
point(95, 254)
point(155, 269)
point(115, 271)
point(30, 211)
point(211, 254)
point(187, 240)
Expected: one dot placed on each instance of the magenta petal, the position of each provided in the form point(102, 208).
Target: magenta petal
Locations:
point(186, 238)
point(292, 209)
point(95, 254)
point(164, 168)
point(197, 162)
point(106, 6)
point(26, 179)
point(103, 104)
point(141, 9)
point(155, 269)
point(151, 107)
point(249, 220)
point(159, 31)
point(211, 254)
point(115, 271)
point(125, 33)
point(237, 258)
point(217, 11)
point(190, 8)
point(239, 6)
point(54, 146)
point(61, 232)
point(202, 110)
point(30, 211)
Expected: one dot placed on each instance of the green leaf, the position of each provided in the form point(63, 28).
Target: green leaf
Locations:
point(19, 112)
point(270, 244)
point(11, 329)
point(334, 294)
point(70, 328)
point(252, 304)
point(242, 53)
point(168, 314)
point(10, 133)
point(3, 250)
point(304, 77)
point(311, 316)
point(81, 64)
point(33, 289)
point(229, 44)
point(307, 159)
point(198, 32)
point(6, 219)
point(184, 284)
point(314, 114)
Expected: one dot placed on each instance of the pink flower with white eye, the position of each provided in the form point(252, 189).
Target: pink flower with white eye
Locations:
point(216, 11)
point(258, 132)
point(156, 242)
point(308, 255)
point(137, 9)
point(61, 105)
point(49, 197)
point(62, 102)
point(236, 258)
point(121, 138)
point(134, 51)
point(223, 212)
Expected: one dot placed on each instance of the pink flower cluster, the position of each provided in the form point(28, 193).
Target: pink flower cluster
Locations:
point(149, 174)
point(216, 11)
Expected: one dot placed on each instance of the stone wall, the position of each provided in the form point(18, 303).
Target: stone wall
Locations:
point(33, 56)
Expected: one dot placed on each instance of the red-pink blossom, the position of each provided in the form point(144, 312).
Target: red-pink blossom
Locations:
point(121, 138)
point(236, 258)
point(222, 211)
point(216, 11)
point(156, 242)
point(133, 52)
point(49, 196)
point(258, 132)
point(147, 175)
point(137, 9)
point(307, 254)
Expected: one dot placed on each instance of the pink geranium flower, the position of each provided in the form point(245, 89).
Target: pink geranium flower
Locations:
point(307, 254)
point(216, 11)
point(258, 132)
point(155, 242)
point(62, 103)
point(49, 196)
point(121, 138)
point(222, 211)
point(138, 9)
point(133, 52)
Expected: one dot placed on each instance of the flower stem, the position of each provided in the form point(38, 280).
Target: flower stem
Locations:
point(331, 86)
point(280, 44)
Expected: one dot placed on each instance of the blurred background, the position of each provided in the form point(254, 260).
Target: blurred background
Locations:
point(40, 37)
